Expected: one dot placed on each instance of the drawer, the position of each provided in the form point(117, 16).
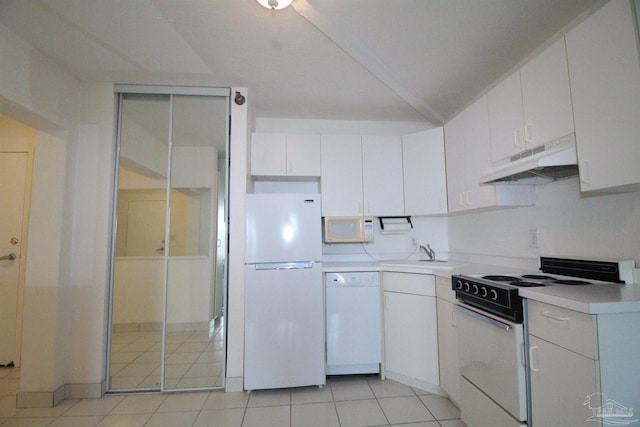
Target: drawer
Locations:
point(567, 328)
point(443, 289)
point(409, 283)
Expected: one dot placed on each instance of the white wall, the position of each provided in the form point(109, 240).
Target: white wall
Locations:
point(237, 188)
point(568, 225)
point(69, 232)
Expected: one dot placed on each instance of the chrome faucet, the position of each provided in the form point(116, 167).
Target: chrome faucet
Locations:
point(430, 252)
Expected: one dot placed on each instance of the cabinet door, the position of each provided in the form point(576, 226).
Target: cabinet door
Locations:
point(341, 182)
point(411, 344)
point(382, 175)
point(605, 86)
point(468, 157)
point(268, 154)
point(561, 381)
point(448, 349)
point(546, 96)
point(506, 119)
point(303, 155)
point(425, 184)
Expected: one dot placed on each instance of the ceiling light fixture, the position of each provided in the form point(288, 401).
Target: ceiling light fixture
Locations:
point(275, 4)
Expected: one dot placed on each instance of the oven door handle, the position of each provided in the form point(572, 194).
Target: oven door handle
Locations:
point(486, 319)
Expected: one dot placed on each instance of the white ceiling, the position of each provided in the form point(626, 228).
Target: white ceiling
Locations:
point(391, 60)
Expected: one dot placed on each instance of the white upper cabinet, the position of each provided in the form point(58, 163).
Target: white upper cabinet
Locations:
point(268, 154)
point(341, 182)
point(425, 181)
point(546, 96)
point(532, 106)
point(382, 176)
point(605, 86)
point(285, 155)
point(506, 119)
point(468, 157)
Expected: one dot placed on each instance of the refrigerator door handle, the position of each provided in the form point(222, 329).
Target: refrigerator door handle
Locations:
point(284, 265)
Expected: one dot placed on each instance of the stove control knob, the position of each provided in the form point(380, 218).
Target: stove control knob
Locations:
point(494, 294)
point(483, 292)
point(475, 289)
point(466, 286)
point(459, 284)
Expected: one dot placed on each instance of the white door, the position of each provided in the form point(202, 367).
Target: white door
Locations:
point(146, 227)
point(13, 177)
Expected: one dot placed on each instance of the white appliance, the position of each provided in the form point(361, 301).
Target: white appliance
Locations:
point(348, 229)
point(284, 310)
point(354, 343)
point(493, 338)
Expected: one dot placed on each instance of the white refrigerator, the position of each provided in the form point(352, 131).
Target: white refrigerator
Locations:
point(284, 308)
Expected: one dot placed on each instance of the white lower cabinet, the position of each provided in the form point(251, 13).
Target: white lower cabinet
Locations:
point(447, 339)
point(410, 330)
point(583, 367)
point(561, 380)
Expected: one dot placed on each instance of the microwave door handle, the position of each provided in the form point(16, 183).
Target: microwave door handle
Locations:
point(483, 318)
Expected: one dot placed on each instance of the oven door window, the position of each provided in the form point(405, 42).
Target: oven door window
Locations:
point(493, 359)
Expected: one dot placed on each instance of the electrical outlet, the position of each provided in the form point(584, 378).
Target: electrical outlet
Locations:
point(533, 238)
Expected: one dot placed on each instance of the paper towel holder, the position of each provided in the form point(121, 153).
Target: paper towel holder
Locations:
point(396, 223)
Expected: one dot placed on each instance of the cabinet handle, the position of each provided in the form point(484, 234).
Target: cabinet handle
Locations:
point(517, 138)
point(528, 131)
point(550, 315)
point(584, 172)
point(468, 198)
point(386, 302)
point(460, 198)
point(531, 358)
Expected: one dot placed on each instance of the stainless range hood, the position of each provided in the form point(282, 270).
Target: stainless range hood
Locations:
point(549, 162)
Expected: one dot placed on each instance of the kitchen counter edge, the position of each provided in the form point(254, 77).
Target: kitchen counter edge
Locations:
point(589, 299)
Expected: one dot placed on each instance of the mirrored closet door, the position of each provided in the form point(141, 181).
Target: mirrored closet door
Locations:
point(170, 240)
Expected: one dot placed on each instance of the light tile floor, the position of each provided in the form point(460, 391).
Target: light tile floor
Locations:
point(351, 401)
point(193, 359)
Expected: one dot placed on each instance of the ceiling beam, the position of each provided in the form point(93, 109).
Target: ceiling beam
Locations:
point(338, 33)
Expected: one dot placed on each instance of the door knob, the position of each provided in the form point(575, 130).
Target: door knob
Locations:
point(10, 257)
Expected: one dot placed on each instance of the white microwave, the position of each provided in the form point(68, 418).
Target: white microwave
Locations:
point(348, 229)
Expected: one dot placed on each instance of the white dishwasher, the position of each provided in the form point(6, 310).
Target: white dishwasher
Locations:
point(353, 304)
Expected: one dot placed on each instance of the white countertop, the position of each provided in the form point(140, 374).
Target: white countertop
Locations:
point(590, 299)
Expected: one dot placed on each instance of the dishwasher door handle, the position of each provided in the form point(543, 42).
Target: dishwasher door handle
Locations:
point(486, 319)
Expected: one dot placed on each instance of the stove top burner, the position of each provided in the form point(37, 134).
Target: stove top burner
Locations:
point(571, 282)
point(499, 278)
point(524, 284)
point(537, 277)
point(534, 280)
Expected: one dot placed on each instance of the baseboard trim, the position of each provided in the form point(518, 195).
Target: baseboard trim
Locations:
point(40, 399)
point(85, 390)
point(233, 384)
point(49, 399)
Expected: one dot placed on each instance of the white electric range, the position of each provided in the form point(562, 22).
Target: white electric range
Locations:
point(492, 334)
